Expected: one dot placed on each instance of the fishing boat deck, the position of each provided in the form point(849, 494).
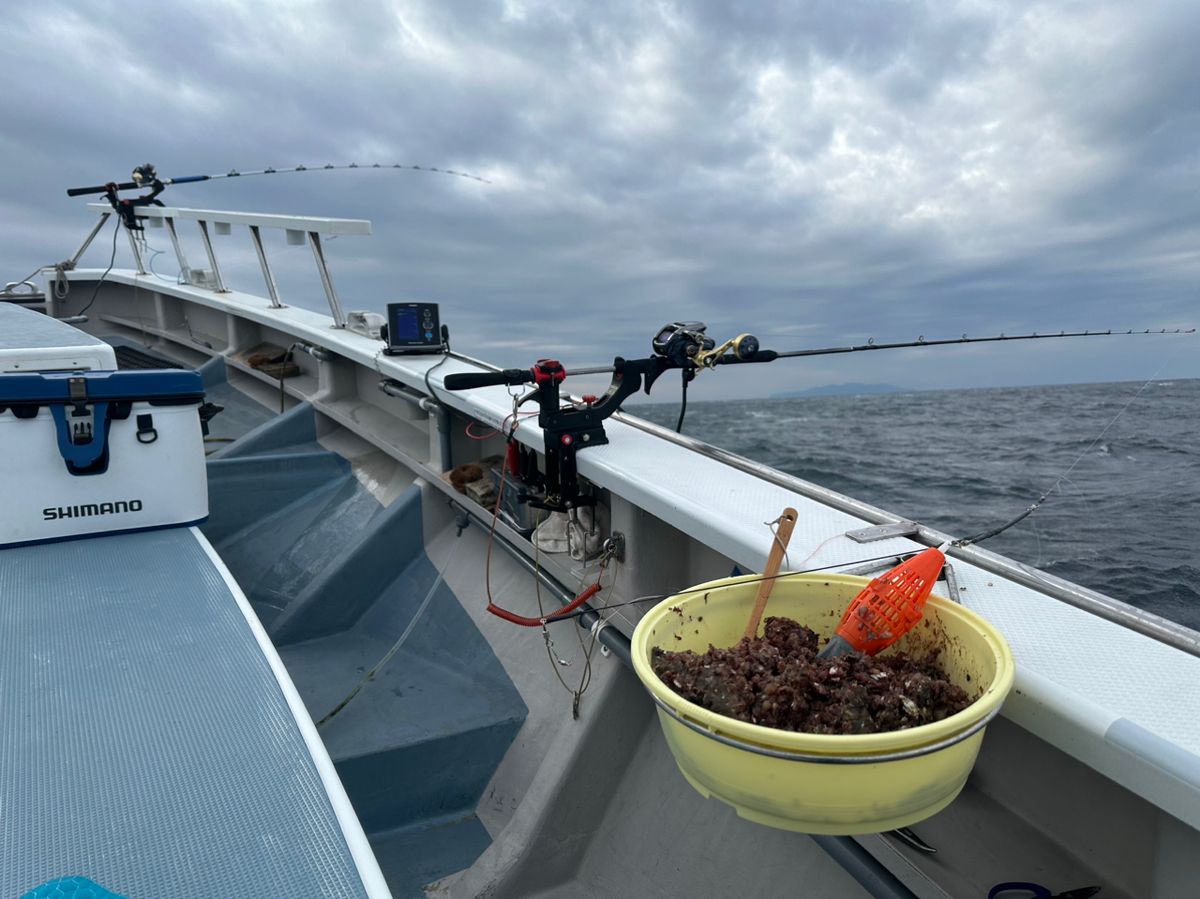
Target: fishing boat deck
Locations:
point(152, 741)
point(1091, 688)
point(1083, 681)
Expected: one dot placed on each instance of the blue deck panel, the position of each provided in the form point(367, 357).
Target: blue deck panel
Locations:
point(145, 742)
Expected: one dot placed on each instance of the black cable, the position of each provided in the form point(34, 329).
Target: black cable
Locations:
point(111, 260)
point(286, 358)
point(985, 535)
point(429, 387)
point(682, 403)
point(446, 355)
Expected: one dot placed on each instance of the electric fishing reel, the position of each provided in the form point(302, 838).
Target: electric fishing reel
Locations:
point(682, 342)
point(688, 347)
point(575, 426)
point(145, 175)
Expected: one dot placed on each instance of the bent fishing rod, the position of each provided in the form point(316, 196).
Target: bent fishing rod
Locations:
point(146, 176)
point(679, 345)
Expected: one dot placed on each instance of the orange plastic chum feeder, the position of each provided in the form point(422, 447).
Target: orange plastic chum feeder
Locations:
point(888, 607)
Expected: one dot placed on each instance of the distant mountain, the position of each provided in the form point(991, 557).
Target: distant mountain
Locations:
point(850, 389)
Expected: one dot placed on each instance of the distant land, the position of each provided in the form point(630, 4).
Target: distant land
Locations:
point(849, 389)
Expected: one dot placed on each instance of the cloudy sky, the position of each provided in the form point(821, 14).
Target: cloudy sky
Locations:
point(816, 173)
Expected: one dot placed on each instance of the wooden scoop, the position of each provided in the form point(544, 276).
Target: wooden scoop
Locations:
point(787, 521)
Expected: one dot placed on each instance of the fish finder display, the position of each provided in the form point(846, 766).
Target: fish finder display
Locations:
point(413, 328)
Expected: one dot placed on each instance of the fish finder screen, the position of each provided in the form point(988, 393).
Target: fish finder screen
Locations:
point(404, 324)
point(413, 328)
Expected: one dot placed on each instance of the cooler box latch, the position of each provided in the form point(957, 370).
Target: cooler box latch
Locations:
point(82, 430)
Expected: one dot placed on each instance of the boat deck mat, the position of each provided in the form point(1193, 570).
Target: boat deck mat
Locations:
point(145, 742)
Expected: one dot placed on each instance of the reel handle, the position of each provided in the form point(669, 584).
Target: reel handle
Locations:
point(467, 380)
point(758, 356)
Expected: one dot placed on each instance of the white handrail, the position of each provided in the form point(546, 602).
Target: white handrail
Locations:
point(263, 220)
point(297, 228)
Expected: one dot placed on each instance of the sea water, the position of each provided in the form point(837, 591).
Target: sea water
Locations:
point(1123, 460)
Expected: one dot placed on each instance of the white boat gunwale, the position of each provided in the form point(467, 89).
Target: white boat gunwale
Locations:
point(1149, 748)
point(1049, 699)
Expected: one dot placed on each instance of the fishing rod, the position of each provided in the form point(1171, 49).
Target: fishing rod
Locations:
point(716, 356)
point(146, 176)
point(685, 346)
point(921, 341)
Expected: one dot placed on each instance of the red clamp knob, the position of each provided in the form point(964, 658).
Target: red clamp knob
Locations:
point(548, 370)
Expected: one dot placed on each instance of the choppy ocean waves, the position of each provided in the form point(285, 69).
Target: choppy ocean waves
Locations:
point(1124, 513)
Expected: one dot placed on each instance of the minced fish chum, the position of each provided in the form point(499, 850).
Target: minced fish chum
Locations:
point(776, 680)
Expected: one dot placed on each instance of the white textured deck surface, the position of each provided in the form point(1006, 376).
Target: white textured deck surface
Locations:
point(145, 740)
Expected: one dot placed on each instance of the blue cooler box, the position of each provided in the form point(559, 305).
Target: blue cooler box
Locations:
point(94, 452)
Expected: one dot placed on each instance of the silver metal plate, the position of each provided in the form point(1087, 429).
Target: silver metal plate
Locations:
point(883, 531)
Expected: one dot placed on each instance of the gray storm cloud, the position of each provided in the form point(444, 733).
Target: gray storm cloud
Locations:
point(815, 174)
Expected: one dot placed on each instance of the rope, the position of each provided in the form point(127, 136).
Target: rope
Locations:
point(774, 527)
point(62, 286)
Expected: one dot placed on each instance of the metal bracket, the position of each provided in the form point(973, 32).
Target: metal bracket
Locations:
point(335, 306)
point(879, 565)
point(615, 545)
point(272, 289)
point(212, 257)
point(903, 528)
point(951, 579)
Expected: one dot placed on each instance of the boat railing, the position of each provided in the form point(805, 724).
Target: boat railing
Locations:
point(349, 408)
point(299, 229)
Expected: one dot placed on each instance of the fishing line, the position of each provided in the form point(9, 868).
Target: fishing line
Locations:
point(823, 544)
point(576, 613)
point(154, 254)
point(585, 678)
point(985, 535)
point(387, 657)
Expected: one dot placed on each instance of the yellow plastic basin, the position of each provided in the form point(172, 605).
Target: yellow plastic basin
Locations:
point(822, 783)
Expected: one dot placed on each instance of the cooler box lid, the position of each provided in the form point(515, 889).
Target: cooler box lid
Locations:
point(83, 404)
point(162, 386)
